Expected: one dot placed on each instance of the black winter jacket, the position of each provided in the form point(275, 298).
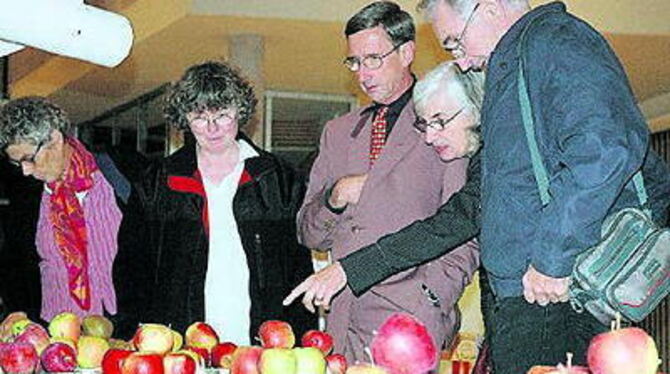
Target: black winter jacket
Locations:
point(165, 282)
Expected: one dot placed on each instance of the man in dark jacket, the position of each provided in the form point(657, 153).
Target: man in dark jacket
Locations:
point(592, 139)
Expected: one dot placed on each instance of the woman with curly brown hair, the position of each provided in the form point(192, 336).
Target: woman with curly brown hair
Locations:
point(221, 240)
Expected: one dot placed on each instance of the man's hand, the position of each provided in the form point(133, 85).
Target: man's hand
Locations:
point(347, 190)
point(543, 289)
point(319, 288)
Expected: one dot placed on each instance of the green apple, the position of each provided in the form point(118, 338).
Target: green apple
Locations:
point(278, 361)
point(96, 325)
point(90, 351)
point(310, 360)
point(65, 325)
point(19, 326)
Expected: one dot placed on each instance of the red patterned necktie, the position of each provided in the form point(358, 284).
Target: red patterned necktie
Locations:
point(378, 134)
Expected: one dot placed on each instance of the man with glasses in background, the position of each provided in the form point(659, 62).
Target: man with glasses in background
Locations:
point(373, 175)
point(61, 243)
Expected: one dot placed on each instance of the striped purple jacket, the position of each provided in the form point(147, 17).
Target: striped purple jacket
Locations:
point(103, 219)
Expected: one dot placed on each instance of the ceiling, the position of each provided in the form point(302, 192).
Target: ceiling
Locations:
point(303, 47)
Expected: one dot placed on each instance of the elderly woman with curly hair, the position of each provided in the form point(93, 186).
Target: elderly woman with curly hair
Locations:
point(221, 238)
point(62, 240)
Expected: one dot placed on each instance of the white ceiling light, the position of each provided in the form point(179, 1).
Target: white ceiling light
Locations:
point(66, 27)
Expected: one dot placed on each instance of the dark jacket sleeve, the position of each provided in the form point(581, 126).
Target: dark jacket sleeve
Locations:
point(455, 222)
point(134, 270)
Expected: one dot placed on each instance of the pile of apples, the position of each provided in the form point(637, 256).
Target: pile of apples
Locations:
point(402, 345)
point(277, 353)
point(158, 352)
point(69, 342)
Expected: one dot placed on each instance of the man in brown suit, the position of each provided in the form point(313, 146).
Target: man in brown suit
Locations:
point(373, 176)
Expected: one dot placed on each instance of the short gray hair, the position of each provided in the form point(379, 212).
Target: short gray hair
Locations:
point(461, 6)
point(397, 23)
point(31, 120)
point(467, 88)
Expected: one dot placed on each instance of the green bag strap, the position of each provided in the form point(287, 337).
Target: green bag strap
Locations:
point(540, 172)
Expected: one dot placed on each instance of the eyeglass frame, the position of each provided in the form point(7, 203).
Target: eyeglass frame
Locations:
point(30, 159)
point(438, 124)
point(230, 117)
point(372, 56)
point(457, 43)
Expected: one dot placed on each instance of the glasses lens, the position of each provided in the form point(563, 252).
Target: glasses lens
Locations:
point(373, 62)
point(450, 44)
point(199, 122)
point(420, 124)
point(351, 63)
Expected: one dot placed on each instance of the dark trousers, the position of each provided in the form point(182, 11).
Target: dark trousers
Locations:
point(523, 335)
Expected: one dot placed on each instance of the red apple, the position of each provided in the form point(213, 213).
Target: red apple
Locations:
point(90, 351)
point(113, 360)
point(222, 355)
point(276, 334)
point(246, 360)
point(142, 363)
point(152, 337)
point(624, 351)
point(403, 345)
point(59, 357)
point(199, 361)
point(203, 353)
point(366, 369)
point(337, 363)
point(201, 335)
point(36, 335)
point(178, 363)
point(319, 339)
point(18, 358)
point(65, 325)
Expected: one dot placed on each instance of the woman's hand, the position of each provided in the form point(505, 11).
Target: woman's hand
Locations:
point(320, 287)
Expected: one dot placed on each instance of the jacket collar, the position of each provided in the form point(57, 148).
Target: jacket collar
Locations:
point(183, 163)
point(395, 110)
point(505, 53)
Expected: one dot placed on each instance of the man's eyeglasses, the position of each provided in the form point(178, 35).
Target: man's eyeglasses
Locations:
point(31, 158)
point(202, 121)
point(452, 44)
point(437, 124)
point(372, 61)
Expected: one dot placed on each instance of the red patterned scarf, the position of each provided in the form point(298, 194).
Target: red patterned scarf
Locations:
point(67, 218)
